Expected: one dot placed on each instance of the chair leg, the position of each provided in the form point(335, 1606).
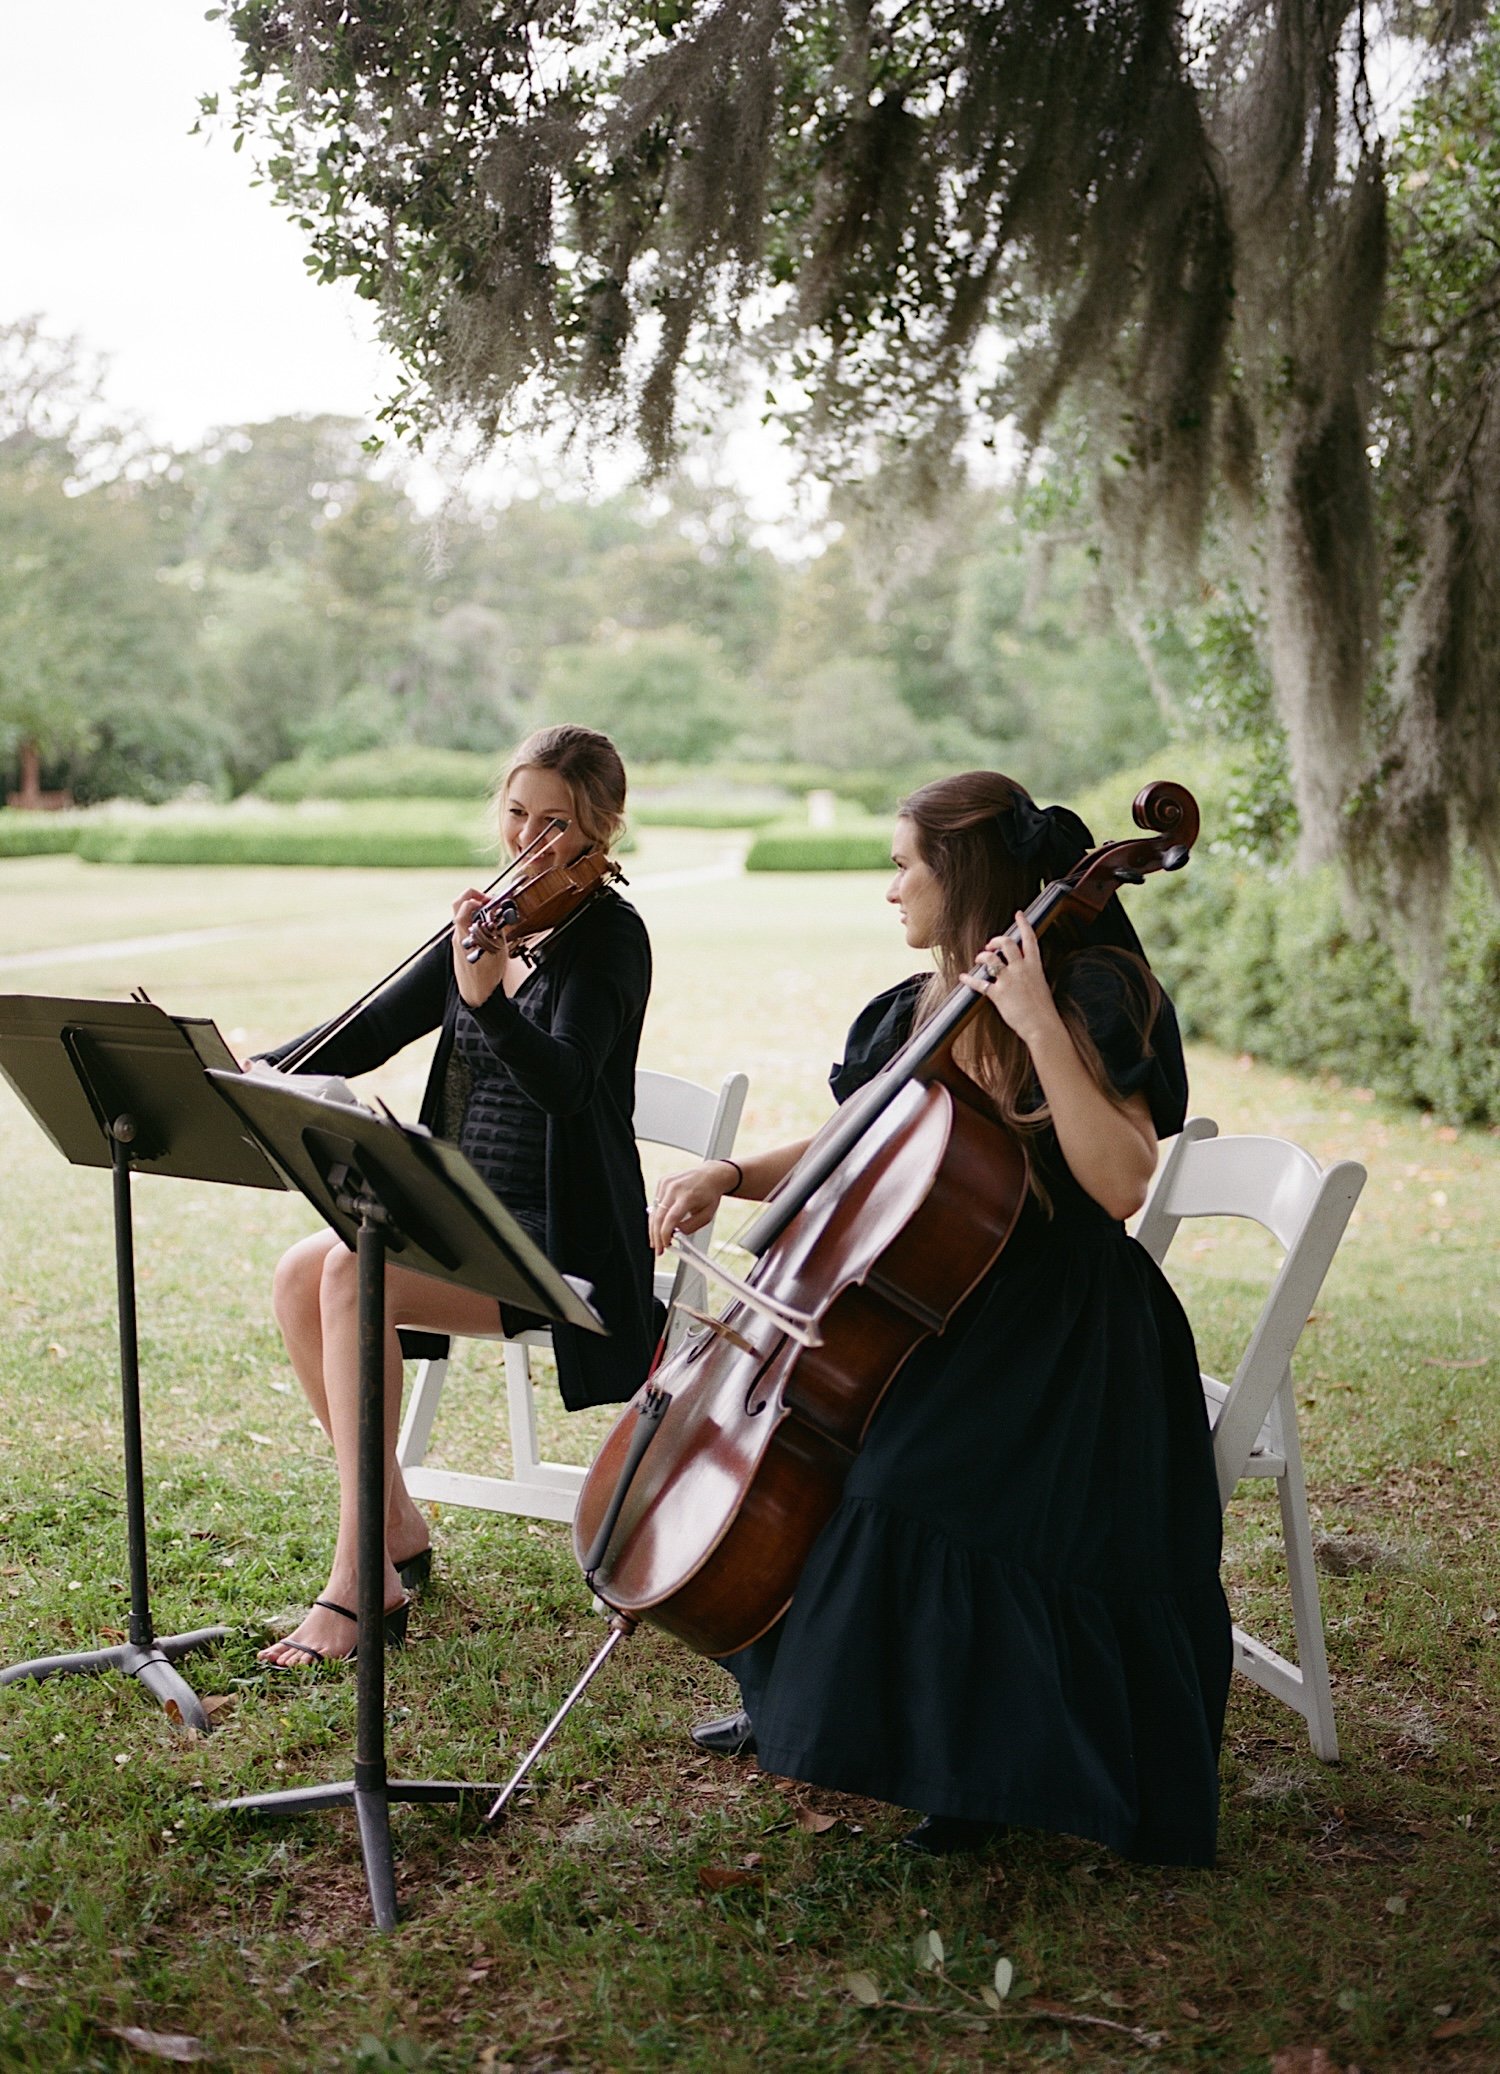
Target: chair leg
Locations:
point(1307, 1610)
point(525, 1453)
point(416, 1427)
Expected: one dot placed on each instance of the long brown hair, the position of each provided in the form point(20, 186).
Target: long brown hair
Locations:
point(961, 826)
point(589, 765)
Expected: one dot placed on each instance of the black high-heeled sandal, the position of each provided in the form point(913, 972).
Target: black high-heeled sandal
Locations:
point(392, 1622)
point(416, 1571)
point(393, 1625)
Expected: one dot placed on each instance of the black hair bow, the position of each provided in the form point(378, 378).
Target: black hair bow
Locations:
point(1050, 838)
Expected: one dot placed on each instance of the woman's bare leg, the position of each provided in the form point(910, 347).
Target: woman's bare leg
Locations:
point(326, 1360)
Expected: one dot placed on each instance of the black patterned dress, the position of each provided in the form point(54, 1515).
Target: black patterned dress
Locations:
point(1015, 1615)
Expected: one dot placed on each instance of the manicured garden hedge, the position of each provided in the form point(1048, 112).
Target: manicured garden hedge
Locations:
point(404, 773)
point(38, 835)
point(414, 772)
point(271, 842)
point(800, 848)
point(704, 812)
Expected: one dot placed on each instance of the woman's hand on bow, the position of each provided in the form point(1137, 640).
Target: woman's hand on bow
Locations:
point(686, 1202)
point(478, 981)
point(1017, 986)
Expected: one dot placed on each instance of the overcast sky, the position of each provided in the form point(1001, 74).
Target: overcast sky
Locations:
point(150, 244)
point(153, 247)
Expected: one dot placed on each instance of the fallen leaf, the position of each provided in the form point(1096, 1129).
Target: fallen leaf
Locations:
point(1436, 1361)
point(1304, 2059)
point(989, 1998)
point(1190, 2010)
point(1005, 1974)
point(863, 1988)
point(928, 1951)
point(716, 1878)
point(159, 2045)
point(1457, 2027)
point(814, 1823)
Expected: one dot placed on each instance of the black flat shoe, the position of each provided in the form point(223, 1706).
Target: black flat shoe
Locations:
point(416, 1570)
point(732, 1736)
point(942, 1836)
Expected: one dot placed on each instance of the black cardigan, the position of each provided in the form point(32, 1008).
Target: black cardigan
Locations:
point(573, 1051)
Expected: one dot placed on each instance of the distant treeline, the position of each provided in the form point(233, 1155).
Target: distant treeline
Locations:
point(277, 596)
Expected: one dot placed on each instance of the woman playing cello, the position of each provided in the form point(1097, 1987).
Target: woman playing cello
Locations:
point(1014, 1617)
point(534, 1078)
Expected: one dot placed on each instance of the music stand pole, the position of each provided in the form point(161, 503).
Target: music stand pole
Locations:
point(371, 1790)
point(145, 1656)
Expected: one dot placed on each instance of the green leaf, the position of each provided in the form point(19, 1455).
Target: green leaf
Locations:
point(928, 1950)
point(863, 1988)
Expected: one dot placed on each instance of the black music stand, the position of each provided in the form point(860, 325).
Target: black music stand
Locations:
point(121, 1084)
point(387, 1188)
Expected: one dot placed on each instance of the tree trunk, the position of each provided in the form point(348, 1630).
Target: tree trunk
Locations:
point(29, 798)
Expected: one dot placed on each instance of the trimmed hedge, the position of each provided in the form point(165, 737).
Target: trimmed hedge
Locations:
point(38, 835)
point(822, 849)
point(248, 842)
point(704, 812)
point(409, 772)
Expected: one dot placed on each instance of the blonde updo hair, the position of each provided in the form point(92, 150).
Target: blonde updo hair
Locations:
point(589, 765)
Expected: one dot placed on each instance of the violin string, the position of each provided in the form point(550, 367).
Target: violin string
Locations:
point(326, 1032)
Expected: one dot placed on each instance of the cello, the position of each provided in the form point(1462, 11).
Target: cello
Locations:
point(708, 1494)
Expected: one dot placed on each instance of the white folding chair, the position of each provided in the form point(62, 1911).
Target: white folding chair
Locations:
point(1254, 1417)
point(668, 1111)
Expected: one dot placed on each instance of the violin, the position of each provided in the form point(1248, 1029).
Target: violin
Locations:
point(708, 1494)
point(547, 900)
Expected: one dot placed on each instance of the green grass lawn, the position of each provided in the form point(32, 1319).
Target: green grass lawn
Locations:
point(649, 1907)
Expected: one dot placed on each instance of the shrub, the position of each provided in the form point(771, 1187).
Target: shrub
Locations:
point(704, 814)
point(38, 835)
point(822, 849)
point(407, 772)
point(244, 842)
point(1272, 964)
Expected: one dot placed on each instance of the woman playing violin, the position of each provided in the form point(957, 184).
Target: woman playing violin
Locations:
point(534, 1078)
point(1014, 1617)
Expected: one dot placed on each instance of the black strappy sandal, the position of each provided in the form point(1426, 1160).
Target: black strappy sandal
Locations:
point(393, 1625)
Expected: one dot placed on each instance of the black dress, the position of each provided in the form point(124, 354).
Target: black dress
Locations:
point(567, 1044)
point(1015, 1615)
